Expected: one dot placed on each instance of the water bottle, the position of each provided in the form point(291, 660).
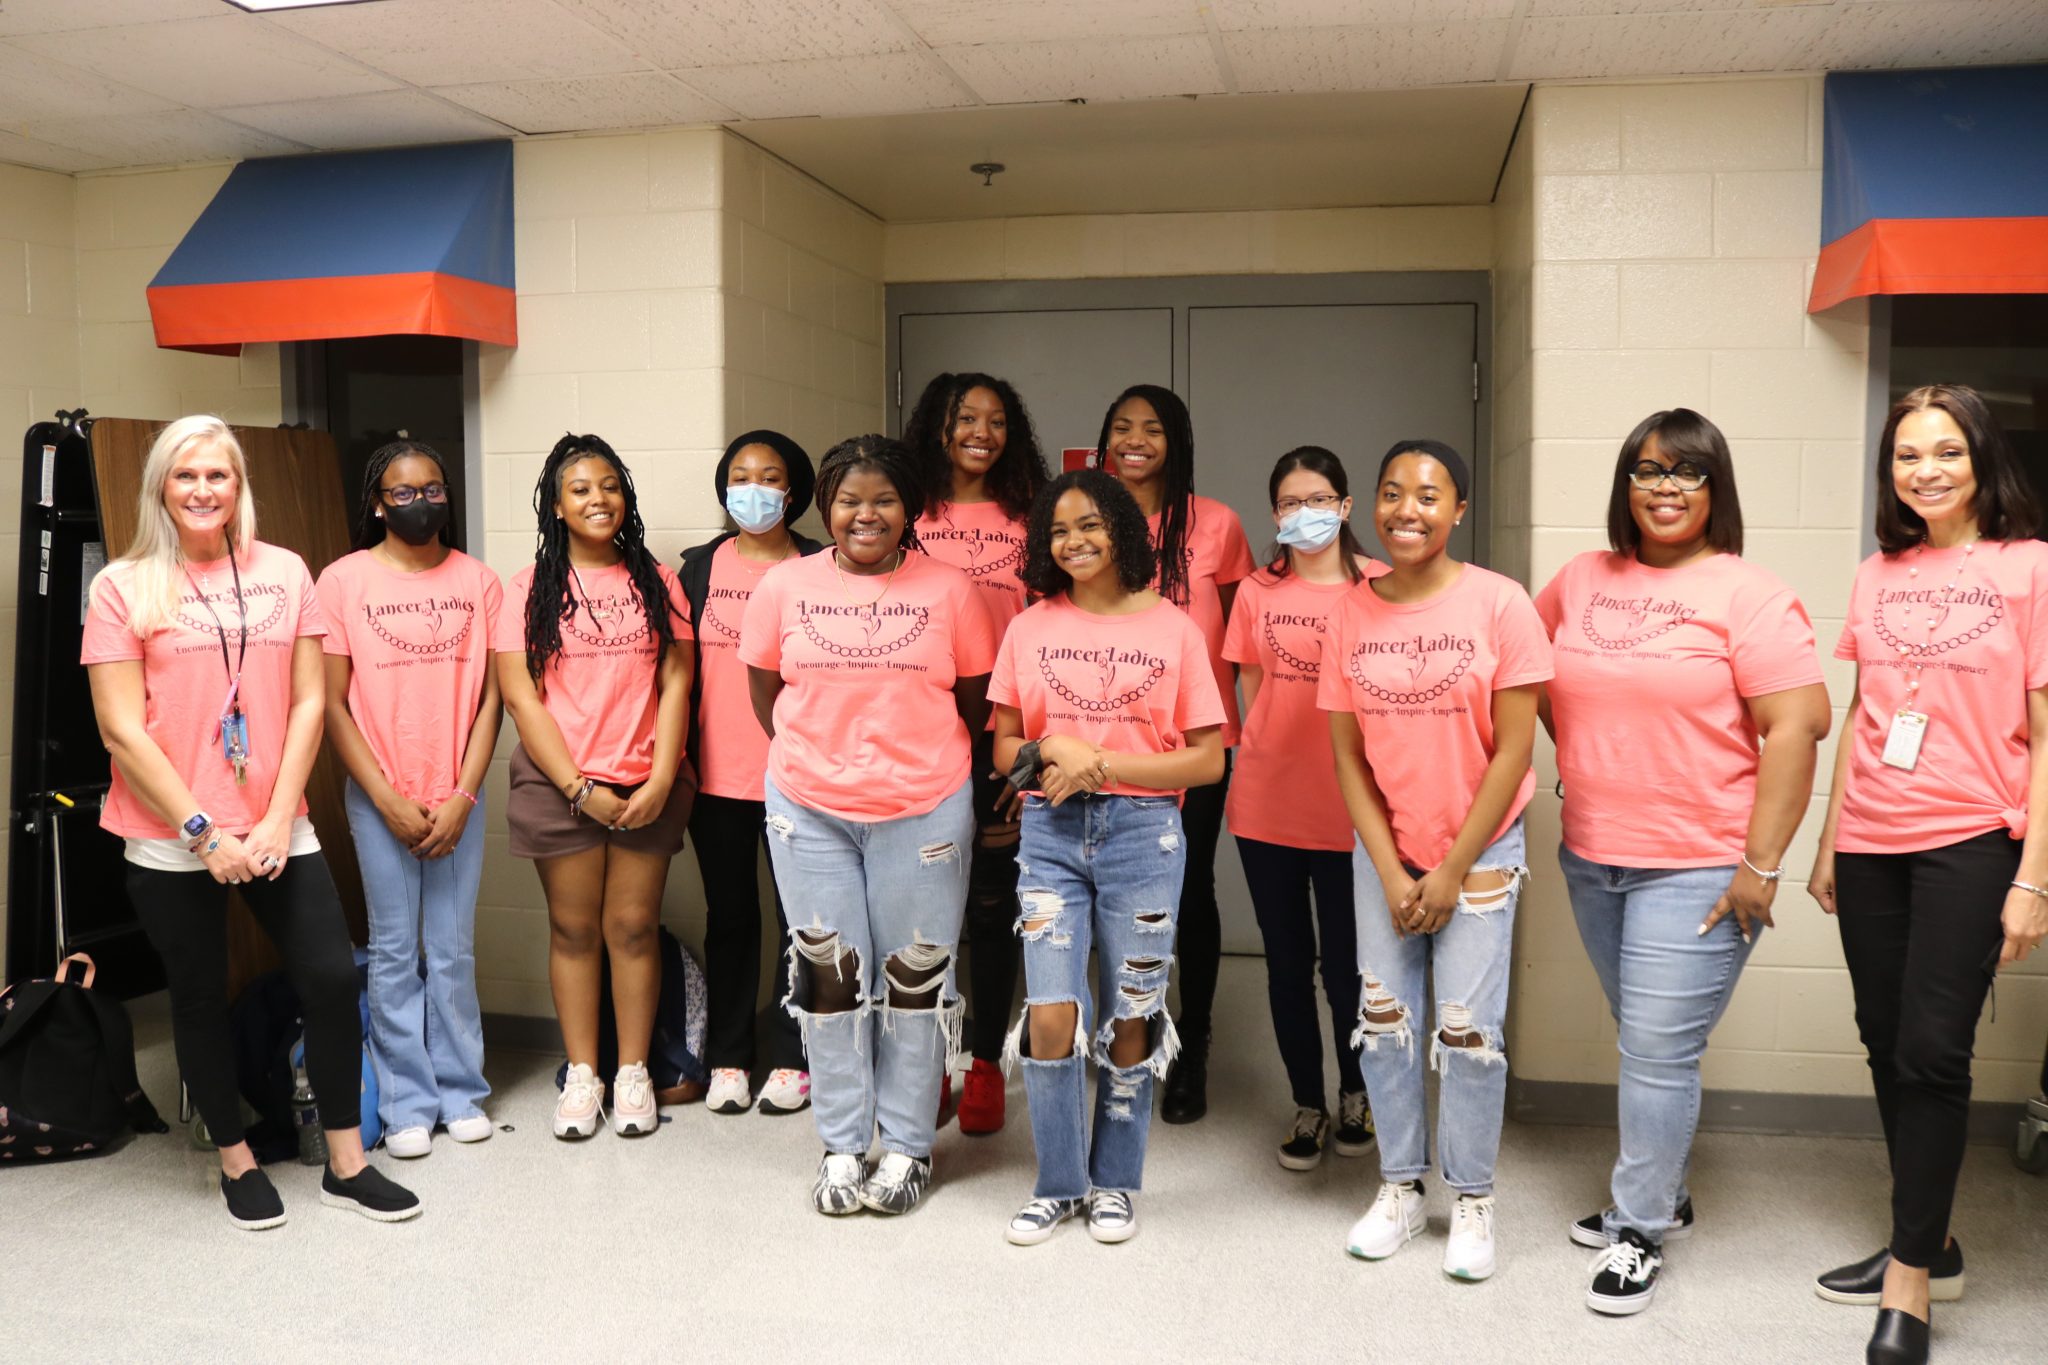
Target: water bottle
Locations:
point(305, 1116)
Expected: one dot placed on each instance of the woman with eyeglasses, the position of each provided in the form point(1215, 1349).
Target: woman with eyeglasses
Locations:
point(1686, 706)
point(412, 711)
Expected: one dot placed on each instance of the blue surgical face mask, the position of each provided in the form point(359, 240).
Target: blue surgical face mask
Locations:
point(755, 507)
point(1310, 528)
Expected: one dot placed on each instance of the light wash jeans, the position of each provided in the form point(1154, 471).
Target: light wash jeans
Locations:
point(1667, 985)
point(1102, 872)
point(891, 893)
point(1468, 961)
point(426, 1030)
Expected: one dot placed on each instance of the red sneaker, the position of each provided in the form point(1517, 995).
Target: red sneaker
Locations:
point(947, 1108)
point(981, 1099)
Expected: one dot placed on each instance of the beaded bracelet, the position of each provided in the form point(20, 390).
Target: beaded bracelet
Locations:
point(467, 796)
point(1773, 875)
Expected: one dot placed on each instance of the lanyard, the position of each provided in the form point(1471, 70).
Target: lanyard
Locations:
point(234, 667)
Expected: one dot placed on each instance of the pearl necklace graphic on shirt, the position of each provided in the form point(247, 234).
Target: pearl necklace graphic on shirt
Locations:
point(1307, 667)
point(1937, 613)
point(1108, 703)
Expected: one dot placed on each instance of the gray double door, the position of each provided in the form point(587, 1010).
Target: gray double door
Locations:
point(1351, 363)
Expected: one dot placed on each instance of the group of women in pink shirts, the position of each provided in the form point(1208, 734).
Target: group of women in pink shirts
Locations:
point(995, 711)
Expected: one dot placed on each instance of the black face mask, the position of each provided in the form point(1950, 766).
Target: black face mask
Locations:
point(418, 522)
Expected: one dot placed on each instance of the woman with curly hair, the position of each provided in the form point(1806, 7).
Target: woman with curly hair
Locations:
point(983, 465)
point(869, 670)
point(600, 792)
point(1106, 712)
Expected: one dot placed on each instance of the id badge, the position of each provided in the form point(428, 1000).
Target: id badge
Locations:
point(1902, 743)
point(234, 743)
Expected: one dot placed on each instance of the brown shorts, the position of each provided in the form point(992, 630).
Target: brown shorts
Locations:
point(543, 826)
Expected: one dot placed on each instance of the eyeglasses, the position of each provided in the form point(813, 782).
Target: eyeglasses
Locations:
point(403, 494)
point(1321, 502)
point(1689, 477)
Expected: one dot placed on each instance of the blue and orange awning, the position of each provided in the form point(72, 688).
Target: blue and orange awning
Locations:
point(1934, 182)
point(414, 241)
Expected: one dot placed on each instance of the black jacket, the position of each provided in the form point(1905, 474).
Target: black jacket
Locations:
point(695, 576)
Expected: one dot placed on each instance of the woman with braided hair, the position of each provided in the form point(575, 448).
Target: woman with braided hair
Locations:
point(600, 790)
point(412, 711)
point(869, 669)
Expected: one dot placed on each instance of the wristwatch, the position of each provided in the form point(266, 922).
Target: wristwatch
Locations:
point(196, 826)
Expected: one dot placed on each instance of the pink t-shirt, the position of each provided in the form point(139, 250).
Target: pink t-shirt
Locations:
point(866, 727)
point(1217, 555)
point(1656, 748)
point(1986, 649)
point(1284, 788)
point(600, 686)
point(732, 748)
point(185, 681)
point(1134, 684)
point(419, 646)
point(1420, 677)
point(981, 541)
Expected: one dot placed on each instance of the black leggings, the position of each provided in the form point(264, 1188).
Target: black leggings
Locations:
point(729, 835)
point(185, 916)
point(1201, 924)
point(1921, 933)
point(1281, 878)
point(991, 917)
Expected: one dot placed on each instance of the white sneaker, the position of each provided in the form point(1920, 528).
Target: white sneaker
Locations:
point(409, 1142)
point(581, 1105)
point(1396, 1216)
point(1469, 1253)
point(633, 1108)
point(728, 1093)
point(837, 1190)
point(786, 1091)
point(475, 1128)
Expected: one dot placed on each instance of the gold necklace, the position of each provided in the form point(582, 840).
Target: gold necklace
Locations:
point(876, 601)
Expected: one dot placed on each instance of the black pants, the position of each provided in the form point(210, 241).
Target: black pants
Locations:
point(729, 835)
point(1921, 933)
point(185, 916)
point(1201, 924)
point(1281, 879)
point(991, 918)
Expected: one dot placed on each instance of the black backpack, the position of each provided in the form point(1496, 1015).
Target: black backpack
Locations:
point(67, 1070)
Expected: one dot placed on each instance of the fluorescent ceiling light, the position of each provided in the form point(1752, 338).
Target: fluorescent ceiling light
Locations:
point(262, 6)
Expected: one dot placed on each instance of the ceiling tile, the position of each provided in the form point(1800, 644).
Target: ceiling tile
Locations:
point(1106, 69)
point(431, 42)
point(1298, 14)
point(394, 118)
point(1753, 40)
point(35, 86)
point(635, 100)
point(954, 23)
point(675, 34)
point(891, 83)
point(1374, 57)
point(1933, 33)
point(26, 151)
point(208, 63)
point(1564, 49)
point(1565, 9)
point(69, 16)
point(161, 139)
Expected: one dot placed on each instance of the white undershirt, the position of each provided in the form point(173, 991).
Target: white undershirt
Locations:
point(172, 855)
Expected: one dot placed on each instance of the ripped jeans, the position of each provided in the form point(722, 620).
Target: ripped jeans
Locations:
point(1467, 960)
point(1100, 871)
point(880, 902)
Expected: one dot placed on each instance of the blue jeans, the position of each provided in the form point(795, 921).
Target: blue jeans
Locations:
point(1468, 960)
point(1102, 872)
point(1667, 985)
point(883, 901)
point(426, 1029)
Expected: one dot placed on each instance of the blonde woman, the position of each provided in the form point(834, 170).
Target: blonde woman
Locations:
point(202, 645)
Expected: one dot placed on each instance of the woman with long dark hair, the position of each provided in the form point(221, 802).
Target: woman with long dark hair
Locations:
point(1107, 709)
point(983, 465)
point(589, 663)
point(201, 644)
point(869, 672)
point(412, 711)
point(1148, 442)
point(1687, 706)
point(764, 480)
point(1934, 859)
point(1285, 811)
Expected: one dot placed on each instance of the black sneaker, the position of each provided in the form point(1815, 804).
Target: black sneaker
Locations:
point(1625, 1276)
point(1355, 1133)
point(1591, 1232)
point(1861, 1284)
point(1303, 1149)
point(253, 1204)
point(369, 1193)
point(1186, 1093)
point(1037, 1220)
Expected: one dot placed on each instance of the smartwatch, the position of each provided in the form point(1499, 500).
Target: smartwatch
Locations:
point(196, 826)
